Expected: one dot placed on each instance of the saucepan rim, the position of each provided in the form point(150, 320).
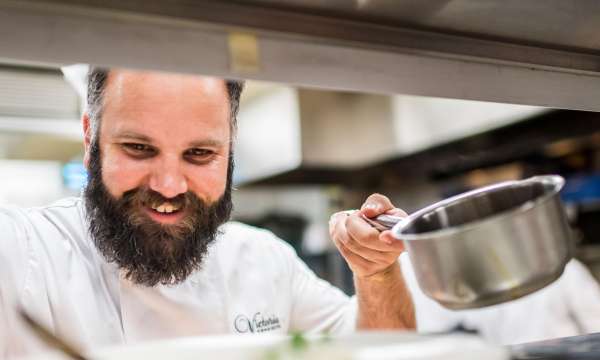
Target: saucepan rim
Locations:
point(556, 181)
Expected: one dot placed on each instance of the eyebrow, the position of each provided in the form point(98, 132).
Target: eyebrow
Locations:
point(207, 142)
point(134, 136)
point(197, 143)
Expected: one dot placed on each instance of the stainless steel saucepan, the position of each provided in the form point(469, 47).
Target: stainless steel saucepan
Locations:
point(489, 245)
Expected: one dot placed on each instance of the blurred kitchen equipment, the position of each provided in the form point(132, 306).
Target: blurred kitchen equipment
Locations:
point(49, 338)
point(487, 246)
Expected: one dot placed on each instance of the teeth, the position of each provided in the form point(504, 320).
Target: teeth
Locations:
point(165, 207)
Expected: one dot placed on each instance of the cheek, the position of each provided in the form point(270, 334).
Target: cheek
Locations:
point(209, 182)
point(120, 174)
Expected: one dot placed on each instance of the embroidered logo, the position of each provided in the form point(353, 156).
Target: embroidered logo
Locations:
point(256, 324)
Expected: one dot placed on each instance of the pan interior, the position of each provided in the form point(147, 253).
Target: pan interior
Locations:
point(476, 206)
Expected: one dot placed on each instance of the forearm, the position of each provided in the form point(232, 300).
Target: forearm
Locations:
point(384, 301)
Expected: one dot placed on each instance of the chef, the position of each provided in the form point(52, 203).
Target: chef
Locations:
point(147, 251)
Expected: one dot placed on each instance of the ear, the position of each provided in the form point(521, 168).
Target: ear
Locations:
point(87, 138)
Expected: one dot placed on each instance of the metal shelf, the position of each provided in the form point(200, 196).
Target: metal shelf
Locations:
point(502, 51)
point(522, 141)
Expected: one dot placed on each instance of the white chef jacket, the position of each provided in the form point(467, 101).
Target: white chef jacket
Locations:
point(250, 282)
point(567, 307)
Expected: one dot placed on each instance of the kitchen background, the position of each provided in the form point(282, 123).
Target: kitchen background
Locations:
point(303, 154)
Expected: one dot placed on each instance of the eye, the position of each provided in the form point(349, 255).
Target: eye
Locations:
point(198, 155)
point(139, 150)
point(199, 152)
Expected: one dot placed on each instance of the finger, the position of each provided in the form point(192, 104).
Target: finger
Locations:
point(338, 230)
point(397, 212)
point(341, 235)
point(336, 218)
point(390, 239)
point(367, 236)
point(376, 204)
point(356, 262)
point(374, 256)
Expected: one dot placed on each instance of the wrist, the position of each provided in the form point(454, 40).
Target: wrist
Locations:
point(390, 273)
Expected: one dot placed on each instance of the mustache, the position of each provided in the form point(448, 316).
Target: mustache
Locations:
point(144, 196)
point(134, 201)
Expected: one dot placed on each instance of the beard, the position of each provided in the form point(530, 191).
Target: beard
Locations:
point(149, 252)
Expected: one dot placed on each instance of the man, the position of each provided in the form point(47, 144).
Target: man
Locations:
point(147, 252)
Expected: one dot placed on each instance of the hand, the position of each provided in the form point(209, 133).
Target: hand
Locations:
point(367, 251)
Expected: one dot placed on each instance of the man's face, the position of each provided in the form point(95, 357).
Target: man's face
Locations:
point(167, 132)
point(158, 172)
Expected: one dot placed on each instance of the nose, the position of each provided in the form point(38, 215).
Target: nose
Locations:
point(167, 177)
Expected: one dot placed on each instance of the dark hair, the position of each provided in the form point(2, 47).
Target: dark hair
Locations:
point(97, 77)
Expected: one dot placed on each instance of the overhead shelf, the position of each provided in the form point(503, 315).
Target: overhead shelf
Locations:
point(518, 142)
point(521, 52)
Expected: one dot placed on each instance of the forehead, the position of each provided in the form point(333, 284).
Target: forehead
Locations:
point(162, 104)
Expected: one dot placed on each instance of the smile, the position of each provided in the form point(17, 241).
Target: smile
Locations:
point(165, 207)
point(165, 213)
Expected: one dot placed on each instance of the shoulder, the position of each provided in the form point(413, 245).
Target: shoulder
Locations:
point(29, 232)
point(60, 207)
point(10, 213)
point(575, 266)
point(240, 244)
point(238, 235)
point(12, 220)
point(577, 274)
point(65, 215)
point(62, 219)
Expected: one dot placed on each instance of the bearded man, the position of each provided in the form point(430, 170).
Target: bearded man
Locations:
point(148, 251)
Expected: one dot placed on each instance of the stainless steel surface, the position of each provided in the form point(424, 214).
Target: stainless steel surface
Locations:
point(514, 20)
point(49, 338)
point(384, 222)
point(490, 245)
point(490, 50)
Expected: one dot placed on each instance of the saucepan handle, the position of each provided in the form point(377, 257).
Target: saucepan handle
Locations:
point(384, 222)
